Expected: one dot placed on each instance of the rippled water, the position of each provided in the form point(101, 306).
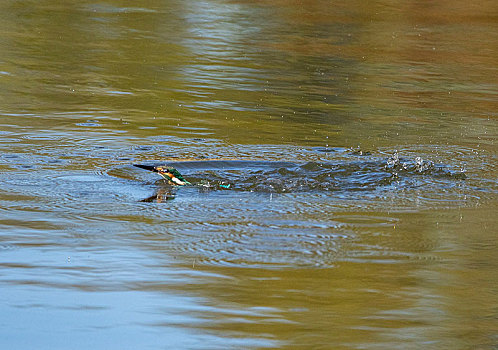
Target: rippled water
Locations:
point(342, 160)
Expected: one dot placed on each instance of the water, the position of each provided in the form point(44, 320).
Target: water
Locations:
point(343, 164)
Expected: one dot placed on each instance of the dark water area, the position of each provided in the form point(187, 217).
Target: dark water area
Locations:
point(342, 162)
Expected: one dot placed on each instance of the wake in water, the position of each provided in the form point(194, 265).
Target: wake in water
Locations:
point(314, 176)
point(366, 174)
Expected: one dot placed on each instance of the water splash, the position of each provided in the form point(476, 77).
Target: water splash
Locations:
point(368, 175)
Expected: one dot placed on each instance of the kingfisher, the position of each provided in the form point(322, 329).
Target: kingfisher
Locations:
point(172, 175)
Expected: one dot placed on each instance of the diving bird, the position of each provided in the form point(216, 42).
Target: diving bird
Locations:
point(172, 175)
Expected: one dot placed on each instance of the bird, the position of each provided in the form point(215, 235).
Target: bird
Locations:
point(170, 174)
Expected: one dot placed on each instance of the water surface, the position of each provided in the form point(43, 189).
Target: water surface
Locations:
point(343, 163)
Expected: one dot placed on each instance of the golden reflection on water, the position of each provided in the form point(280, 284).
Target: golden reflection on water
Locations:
point(89, 88)
point(423, 299)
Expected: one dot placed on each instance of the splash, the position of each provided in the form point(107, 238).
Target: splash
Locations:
point(335, 176)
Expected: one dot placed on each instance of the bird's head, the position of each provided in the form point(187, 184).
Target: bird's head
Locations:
point(171, 174)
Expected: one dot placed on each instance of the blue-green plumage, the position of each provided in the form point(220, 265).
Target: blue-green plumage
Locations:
point(172, 175)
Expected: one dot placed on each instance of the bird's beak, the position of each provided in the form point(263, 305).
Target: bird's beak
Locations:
point(146, 167)
point(166, 174)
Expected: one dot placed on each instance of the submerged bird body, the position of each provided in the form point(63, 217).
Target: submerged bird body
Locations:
point(172, 175)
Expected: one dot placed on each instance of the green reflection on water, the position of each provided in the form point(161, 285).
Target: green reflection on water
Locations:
point(88, 88)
